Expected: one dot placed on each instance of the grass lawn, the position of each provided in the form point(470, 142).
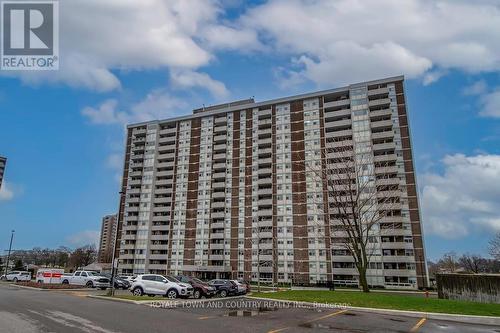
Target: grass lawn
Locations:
point(385, 301)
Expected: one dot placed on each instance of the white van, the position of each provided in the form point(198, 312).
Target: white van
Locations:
point(49, 275)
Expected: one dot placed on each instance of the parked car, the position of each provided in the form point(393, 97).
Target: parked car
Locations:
point(129, 278)
point(16, 276)
point(154, 284)
point(119, 282)
point(242, 288)
point(200, 288)
point(89, 279)
point(224, 287)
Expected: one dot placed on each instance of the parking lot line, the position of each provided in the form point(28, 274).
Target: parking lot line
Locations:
point(312, 320)
point(327, 316)
point(205, 317)
point(279, 330)
point(418, 324)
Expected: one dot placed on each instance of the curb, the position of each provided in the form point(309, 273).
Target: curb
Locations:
point(46, 289)
point(469, 319)
point(114, 299)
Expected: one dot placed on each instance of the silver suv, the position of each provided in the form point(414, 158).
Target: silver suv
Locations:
point(154, 284)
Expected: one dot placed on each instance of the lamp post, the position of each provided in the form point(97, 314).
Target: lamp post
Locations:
point(115, 240)
point(10, 248)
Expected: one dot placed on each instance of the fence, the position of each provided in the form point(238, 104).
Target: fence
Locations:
point(484, 288)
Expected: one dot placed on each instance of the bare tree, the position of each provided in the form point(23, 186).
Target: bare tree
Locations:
point(83, 256)
point(494, 247)
point(360, 197)
point(471, 263)
point(449, 262)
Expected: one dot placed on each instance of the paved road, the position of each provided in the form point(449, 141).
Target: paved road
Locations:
point(29, 311)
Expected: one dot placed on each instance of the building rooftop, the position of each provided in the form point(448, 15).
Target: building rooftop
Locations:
point(250, 103)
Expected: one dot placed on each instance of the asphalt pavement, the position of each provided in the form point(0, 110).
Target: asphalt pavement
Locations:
point(28, 311)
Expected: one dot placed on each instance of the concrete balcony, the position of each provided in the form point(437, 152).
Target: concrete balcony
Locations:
point(218, 129)
point(220, 120)
point(134, 182)
point(405, 259)
point(265, 212)
point(265, 160)
point(396, 245)
point(386, 170)
point(164, 173)
point(266, 141)
point(163, 191)
point(218, 215)
point(217, 225)
point(378, 91)
point(218, 195)
point(219, 138)
point(265, 234)
point(380, 113)
point(168, 131)
point(218, 204)
point(338, 134)
point(170, 164)
point(266, 257)
point(337, 113)
point(218, 175)
point(214, 246)
point(265, 181)
point(219, 157)
point(265, 151)
point(338, 123)
point(216, 257)
point(384, 146)
point(338, 103)
point(218, 185)
point(221, 146)
point(218, 235)
point(381, 124)
point(265, 191)
point(265, 223)
point(383, 135)
point(385, 158)
point(166, 141)
point(265, 246)
point(378, 102)
point(345, 271)
point(265, 202)
point(400, 272)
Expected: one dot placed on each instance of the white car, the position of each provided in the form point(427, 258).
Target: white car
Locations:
point(154, 284)
point(89, 279)
point(242, 288)
point(17, 276)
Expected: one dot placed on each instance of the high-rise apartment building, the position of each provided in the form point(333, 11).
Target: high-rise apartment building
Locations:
point(227, 191)
point(108, 232)
point(3, 162)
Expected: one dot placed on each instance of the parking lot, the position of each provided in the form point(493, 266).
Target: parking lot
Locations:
point(72, 311)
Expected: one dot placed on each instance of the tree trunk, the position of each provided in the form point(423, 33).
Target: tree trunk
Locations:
point(363, 282)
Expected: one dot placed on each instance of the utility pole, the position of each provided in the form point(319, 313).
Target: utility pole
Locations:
point(10, 248)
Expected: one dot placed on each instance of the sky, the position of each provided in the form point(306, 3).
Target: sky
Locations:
point(120, 62)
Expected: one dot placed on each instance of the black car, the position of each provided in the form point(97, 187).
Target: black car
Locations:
point(224, 287)
point(200, 288)
point(119, 282)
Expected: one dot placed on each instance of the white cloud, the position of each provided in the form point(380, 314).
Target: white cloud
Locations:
point(490, 104)
point(352, 40)
point(464, 198)
point(189, 79)
point(158, 104)
point(6, 193)
point(87, 237)
point(99, 37)
point(477, 88)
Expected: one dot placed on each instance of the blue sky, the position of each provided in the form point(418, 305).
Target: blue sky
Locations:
point(63, 132)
